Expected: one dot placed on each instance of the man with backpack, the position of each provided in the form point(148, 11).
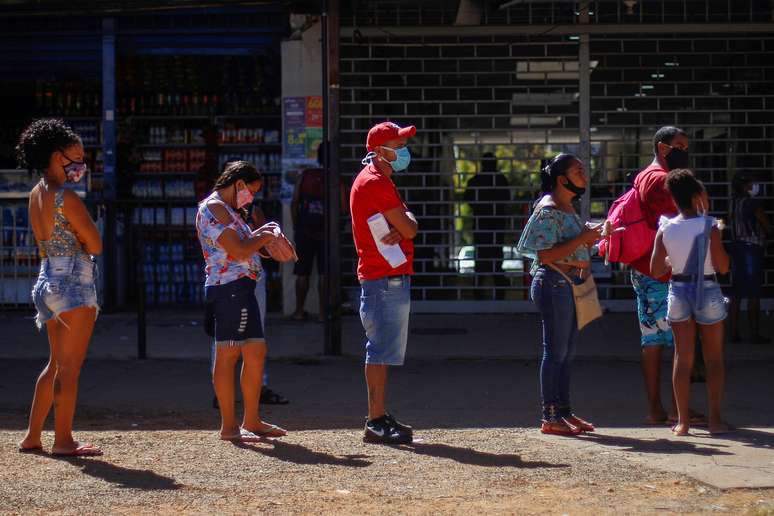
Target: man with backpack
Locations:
point(636, 215)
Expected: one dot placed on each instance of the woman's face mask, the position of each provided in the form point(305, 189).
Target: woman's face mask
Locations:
point(755, 189)
point(244, 196)
point(74, 170)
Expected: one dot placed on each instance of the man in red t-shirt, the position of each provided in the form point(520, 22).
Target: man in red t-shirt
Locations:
point(670, 146)
point(386, 290)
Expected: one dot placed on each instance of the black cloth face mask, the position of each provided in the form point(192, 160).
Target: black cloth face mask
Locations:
point(577, 190)
point(677, 158)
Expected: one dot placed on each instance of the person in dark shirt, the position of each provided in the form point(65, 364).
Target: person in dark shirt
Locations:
point(749, 227)
point(489, 195)
point(308, 212)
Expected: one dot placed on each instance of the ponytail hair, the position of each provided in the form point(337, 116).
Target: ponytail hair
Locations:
point(234, 171)
point(558, 166)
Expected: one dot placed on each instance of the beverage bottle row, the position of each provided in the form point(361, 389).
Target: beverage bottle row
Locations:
point(88, 131)
point(266, 162)
point(198, 104)
point(157, 216)
point(67, 99)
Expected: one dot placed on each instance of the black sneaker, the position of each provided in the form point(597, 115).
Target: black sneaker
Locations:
point(271, 397)
point(382, 430)
point(397, 424)
point(400, 426)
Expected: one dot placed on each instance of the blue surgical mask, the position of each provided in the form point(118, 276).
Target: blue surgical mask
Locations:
point(402, 159)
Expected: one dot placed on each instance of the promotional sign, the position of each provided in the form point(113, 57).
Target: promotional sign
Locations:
point(314, 111)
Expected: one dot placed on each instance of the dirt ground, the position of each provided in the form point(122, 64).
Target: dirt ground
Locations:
point(479, 450)
point(450, 471)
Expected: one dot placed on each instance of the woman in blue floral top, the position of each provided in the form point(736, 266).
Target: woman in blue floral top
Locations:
point(555, 235)
point(230, 251)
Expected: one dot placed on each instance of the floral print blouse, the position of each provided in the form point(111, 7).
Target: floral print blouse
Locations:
point(220, 267)
point(546, 228)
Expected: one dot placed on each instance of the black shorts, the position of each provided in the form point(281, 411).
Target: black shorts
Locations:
point(308, 249)
point(235, 310)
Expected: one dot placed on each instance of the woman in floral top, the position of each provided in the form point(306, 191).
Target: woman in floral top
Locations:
point(555, 236)
point(232, 266)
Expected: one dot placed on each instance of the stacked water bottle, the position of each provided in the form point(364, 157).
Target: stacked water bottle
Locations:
point(171, 273)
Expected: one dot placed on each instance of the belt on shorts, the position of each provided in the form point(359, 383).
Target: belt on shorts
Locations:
point(401, 276)
point(690, 278)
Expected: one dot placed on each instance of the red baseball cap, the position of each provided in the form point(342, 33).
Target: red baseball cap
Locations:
point(386, 131)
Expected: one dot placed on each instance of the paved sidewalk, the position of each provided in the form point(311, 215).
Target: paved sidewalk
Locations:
point(179, 335)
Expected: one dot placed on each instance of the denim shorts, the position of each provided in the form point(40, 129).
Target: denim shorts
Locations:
point(236, 312)
point(682, 303)
point(385, 304)
point(64, 283)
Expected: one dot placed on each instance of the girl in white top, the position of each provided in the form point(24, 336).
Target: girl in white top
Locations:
point(690, 245)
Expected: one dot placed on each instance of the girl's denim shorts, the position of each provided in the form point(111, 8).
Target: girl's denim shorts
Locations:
point(64, 283)
point(682, 303)
point(235, 310)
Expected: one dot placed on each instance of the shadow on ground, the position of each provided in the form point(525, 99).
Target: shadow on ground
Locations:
point(143, 479)
point(299, 454)
point(475, 457)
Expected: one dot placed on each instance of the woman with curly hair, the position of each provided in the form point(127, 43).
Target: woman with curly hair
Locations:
point(65, 294)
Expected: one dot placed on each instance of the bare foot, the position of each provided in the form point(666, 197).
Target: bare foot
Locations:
point(720, 428)
point(76, 449)
point(229, 434)
point(680, 429)
point(697, 418)
point(658, 417)
point(266, 430)
point(30, 444)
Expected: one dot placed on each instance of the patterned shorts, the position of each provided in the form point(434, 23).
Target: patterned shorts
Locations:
point(652, 310)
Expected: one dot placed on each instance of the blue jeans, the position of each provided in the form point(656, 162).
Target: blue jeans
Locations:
point(746, 269)
point(385, 305)
point(553, 297)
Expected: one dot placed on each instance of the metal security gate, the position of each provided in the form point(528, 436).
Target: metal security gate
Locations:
point(492, 101)
point(487, 112)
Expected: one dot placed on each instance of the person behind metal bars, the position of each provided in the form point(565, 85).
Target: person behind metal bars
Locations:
point(690, 246)
point(65, 294)
point(558, 243)
point(384, 276)
point(230, 251)
point(670, 149)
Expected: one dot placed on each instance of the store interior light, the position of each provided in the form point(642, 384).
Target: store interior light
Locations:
point(547, 70)
point(647, 87)
point(657, 76)
point(672, 63)
point(535, 121)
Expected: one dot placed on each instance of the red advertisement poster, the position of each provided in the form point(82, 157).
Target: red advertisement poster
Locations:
point(314, 111)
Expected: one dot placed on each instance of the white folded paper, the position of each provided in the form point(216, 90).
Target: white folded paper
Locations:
point(379, 229)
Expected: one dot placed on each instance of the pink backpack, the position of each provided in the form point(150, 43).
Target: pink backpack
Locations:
point(636, 239)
